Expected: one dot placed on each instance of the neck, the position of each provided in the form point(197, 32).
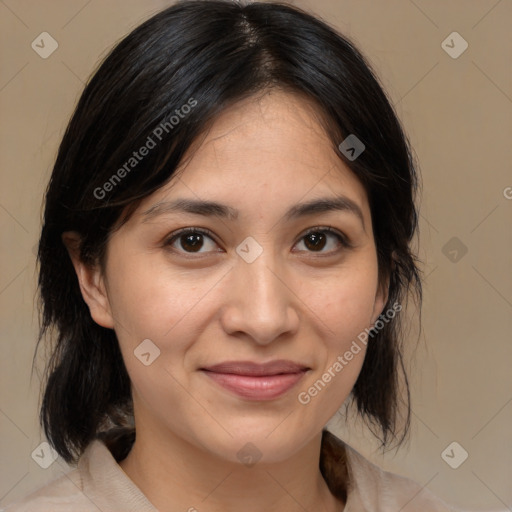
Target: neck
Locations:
point(176, 475)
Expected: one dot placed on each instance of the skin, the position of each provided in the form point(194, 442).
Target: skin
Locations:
point(294, 302)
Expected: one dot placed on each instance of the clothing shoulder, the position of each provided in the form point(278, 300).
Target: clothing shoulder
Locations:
point(56, 496)
point(385, 491)
point(97, 483)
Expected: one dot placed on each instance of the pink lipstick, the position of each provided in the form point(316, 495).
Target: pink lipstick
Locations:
point(255, 381)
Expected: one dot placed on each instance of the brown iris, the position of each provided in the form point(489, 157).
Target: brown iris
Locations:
point(318, 241)
point(193, 241)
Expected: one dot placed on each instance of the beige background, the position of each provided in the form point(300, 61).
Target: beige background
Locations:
point(457, 113)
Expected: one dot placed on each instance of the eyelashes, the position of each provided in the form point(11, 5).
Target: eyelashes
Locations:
point(189, 233)
point(191, 240)
point(323, 231)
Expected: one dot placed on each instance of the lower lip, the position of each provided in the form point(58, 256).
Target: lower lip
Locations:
point(265, 387)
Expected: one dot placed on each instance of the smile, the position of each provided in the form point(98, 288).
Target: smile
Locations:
point(254, 381)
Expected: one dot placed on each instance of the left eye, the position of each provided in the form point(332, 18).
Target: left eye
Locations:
point(192, 240)
point(318, 238)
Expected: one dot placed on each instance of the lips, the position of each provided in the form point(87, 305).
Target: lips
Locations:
point(256, 381)
point(257, 369)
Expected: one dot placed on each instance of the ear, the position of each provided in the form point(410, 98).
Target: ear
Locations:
point(91, 280)
point(381, 298)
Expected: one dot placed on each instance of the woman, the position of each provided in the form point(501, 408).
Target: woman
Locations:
point(224, 257)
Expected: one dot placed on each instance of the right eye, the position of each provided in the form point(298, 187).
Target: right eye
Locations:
point(190, 240)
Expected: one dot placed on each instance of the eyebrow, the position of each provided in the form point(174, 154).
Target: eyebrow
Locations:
point(214, 209)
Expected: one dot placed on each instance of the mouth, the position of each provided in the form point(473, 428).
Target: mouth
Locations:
point(254, 381)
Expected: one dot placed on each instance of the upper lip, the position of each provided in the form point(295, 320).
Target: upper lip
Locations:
point(257, 369)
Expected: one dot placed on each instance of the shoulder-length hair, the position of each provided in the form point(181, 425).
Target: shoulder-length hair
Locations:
point(207, 55)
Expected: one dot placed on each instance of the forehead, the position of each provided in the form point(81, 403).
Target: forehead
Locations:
point(271, 148)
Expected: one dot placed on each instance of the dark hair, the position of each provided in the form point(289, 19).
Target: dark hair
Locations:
point(207, 54)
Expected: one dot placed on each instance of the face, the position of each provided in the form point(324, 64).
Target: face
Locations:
point(257, 280)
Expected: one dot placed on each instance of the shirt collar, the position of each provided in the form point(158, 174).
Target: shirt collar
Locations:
point(109, 487)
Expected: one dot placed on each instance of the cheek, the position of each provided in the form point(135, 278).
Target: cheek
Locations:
point(168, 308)
point(345, 304)
point(345, 317)
point(150, 301)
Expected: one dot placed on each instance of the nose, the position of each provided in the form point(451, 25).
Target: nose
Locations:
point(260, 301)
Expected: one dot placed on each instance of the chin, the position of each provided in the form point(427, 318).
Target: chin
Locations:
point(262, 443)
